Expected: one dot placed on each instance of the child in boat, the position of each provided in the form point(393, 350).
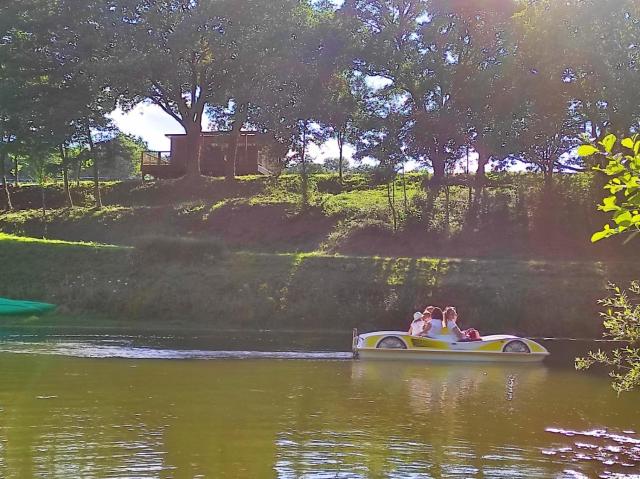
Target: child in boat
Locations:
point(420, 321)
point(417, 325)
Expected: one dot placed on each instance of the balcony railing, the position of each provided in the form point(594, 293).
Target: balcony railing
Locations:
point(156, 158)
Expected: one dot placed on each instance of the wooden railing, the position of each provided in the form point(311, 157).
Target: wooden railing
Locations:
point(264, 170)
point(263, 165)
point(156, 158)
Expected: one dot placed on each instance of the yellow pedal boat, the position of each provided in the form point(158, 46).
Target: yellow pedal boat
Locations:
point(401, 345)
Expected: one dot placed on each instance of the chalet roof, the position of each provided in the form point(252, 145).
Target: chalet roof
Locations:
point(219, 133)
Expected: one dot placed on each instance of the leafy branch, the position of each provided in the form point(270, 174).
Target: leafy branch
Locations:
point(622, 323)
point(623, 170)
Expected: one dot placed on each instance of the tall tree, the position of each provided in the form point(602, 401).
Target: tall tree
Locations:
point(60, 50)
point(598, 63)
point(16, 94)
point(385, 136)
point(291, 111)
point(425, 52)
point(341, 112)
point(188, 56)
point(483, 92)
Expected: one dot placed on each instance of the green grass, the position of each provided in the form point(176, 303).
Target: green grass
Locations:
point(101, 288)
point(512, 217)
point(6, 240)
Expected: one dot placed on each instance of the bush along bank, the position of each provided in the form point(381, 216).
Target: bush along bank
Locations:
point(200, 289)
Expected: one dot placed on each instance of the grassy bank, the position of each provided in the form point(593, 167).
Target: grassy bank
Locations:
point(513, 216)
point(101, 287)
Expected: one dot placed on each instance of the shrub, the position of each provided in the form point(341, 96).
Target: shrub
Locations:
point(159, 249)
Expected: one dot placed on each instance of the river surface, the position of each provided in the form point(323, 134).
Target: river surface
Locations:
point(127, 408)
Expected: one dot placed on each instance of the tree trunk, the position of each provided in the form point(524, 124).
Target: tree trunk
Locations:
point(15, 172)
point(231, 156)
point(44, 211)
point(65, 174)
point(447, 212)
point(483, 160)
point(548, 178)
point(438, 163)
point(392, 206)
point(303, 160)
point(96, 173)
point(96, 184)
point(232, 149)
point(78, 168)
point(194, 146)
point(340, 155)
point(404, 192)
point(65, 182)
point(5, 184)
point(594, 129)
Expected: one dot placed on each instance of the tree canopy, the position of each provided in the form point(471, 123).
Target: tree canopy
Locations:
point(514, 81)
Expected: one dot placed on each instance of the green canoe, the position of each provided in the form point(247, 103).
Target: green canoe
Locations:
point(12, 307)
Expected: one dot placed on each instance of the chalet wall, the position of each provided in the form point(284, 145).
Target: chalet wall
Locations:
point(212, 156)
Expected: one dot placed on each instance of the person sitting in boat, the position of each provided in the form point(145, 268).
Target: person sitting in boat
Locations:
point(451, 323)
point(417, 325)
point(419, 322)
point(433, 327)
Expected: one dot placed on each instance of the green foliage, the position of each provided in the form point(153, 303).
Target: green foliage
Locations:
point(120, 156)
point(425, 82)
point(622, 323)
point(623, 172)
point(622, 314)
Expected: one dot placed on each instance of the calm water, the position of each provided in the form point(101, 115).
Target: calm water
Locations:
point(236, 414)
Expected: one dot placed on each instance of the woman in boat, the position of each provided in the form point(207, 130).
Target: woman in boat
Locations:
point(451, 323)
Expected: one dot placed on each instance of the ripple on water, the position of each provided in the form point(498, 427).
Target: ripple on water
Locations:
point(124, 350)
point(618, 454)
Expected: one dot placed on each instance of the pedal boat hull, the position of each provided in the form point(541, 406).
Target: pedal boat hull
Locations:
point(396, 345)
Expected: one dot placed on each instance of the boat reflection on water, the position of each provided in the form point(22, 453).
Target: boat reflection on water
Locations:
point(424, 420)
point(420, 420)
point(449, 385)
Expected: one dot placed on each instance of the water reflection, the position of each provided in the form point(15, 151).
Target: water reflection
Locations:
point(79, 417)
point(618, 453)
point(414, 420)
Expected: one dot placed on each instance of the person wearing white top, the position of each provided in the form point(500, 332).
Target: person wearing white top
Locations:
point(421, 322)
point(418, 323)
point(451, 320)
point(434, 328)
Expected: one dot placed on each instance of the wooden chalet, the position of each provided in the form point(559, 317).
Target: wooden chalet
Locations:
point(254, 156)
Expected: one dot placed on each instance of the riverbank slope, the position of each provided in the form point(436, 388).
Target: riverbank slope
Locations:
point(512, 216)
point(101, 288)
